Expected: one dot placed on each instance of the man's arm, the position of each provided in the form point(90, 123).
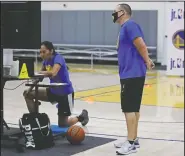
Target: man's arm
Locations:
point(135, 35)
point(142, 49)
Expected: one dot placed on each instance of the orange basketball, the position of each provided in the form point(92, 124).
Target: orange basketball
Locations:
point(75, 135)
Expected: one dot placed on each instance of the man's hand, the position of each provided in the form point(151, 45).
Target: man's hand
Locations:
point(150, 65)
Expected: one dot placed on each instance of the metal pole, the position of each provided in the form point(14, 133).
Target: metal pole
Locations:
point(36, 62)
point(91, 61)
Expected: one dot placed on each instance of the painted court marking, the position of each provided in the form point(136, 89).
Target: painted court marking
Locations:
point(118, 136)
point(157, 92)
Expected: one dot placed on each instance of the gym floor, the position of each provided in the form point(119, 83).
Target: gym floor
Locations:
point(161, 127)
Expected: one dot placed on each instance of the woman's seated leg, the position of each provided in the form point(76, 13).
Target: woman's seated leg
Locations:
point(30, 97)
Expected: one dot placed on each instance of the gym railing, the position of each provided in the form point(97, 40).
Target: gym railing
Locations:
point(80, 52)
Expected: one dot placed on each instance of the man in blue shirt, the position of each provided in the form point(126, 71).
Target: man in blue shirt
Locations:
point(133, 61)
point(54, 67)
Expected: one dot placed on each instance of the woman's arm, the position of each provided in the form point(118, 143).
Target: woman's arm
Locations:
point(53, 72)
point(36, 80)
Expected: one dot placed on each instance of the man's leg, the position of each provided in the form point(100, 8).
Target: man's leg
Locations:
point(135, 91)
point(136, 139)
point(140, 82)
point(29, 98)
point(129, 116)
point(131, 126)
point(128, 108)
point(132, 129)
point(131, 96)
point(137, 114)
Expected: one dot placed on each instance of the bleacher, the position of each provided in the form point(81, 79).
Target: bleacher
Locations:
point(82, 52)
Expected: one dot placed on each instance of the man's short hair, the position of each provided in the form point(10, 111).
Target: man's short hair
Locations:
point(126, 8)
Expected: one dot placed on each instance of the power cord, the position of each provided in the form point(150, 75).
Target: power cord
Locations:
point(18, 85)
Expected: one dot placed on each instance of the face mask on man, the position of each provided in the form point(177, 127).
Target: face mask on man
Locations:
point(115, 16)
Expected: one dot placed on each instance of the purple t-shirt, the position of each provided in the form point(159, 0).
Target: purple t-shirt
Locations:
point(61, 77)
point(130, 62)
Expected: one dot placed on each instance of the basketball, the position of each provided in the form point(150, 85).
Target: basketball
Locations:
point(75, 135)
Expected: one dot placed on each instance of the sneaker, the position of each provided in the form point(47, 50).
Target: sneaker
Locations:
point(119, 144)
point(136, 143)
point(84, 116)
point(126, 148)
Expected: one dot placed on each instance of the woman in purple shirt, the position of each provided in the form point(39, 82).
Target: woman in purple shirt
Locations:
point(54, 67)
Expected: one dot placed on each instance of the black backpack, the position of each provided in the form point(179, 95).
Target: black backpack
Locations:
point(37, 131)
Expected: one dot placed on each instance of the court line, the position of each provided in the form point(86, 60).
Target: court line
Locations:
point(119, 120)
point(95, 88)
point(110, 135)
point(80, 98)
point(151, 105)
point(156, 139)
point(109, 86)
point(104, 92)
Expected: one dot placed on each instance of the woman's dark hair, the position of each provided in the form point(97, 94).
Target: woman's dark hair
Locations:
point(49, 45)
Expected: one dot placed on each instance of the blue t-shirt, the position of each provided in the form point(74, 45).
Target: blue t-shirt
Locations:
point(131, 64)
point(61, 77)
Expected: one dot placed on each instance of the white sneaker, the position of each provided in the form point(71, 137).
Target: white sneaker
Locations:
point(136, 143)
point(119, 144)
point(126, 148)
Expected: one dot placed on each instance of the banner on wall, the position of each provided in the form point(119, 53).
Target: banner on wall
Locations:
point(175, 40)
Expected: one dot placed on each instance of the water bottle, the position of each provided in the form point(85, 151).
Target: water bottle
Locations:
point(15, 68)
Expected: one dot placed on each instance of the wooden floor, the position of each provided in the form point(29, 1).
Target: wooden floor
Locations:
point(161, 127)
